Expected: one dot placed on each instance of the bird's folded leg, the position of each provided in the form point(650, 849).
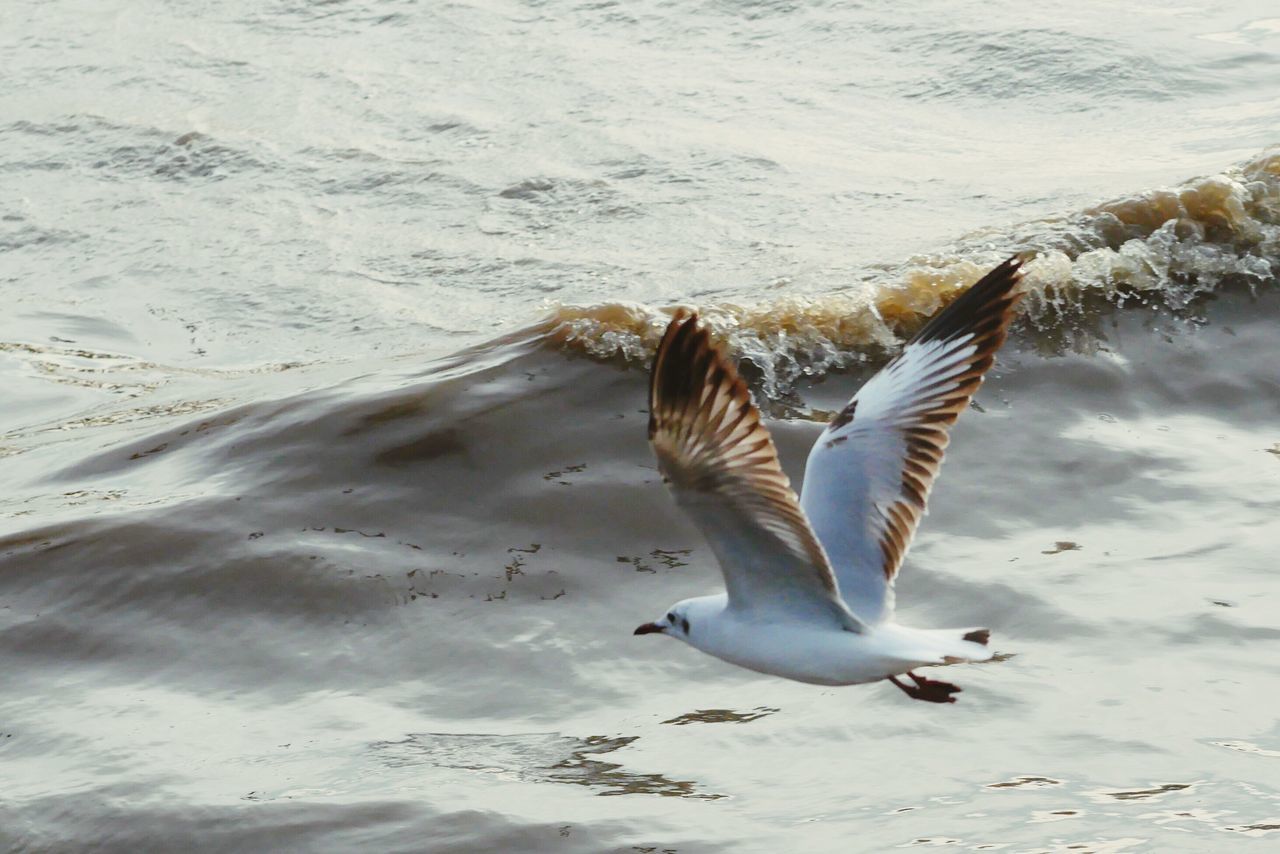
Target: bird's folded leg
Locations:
point(928, 690)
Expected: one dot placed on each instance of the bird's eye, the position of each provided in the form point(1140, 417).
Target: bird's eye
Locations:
point(671, 618)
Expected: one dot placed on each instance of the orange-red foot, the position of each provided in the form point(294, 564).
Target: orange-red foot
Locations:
point(929, 690)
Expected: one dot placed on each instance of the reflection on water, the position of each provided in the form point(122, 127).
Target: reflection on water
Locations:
point(1188, 810)
point(536, 758)
point(1255, 830)
point(1046, 816)
point(1155, 793)
point(721, 716)
point(1025, 782)
point(1247, 747)
point(1062, 546)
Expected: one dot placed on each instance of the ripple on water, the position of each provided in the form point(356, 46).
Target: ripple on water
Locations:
point(721, 716)
point(536, 758)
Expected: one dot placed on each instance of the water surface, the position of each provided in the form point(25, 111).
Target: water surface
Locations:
point(328, 506)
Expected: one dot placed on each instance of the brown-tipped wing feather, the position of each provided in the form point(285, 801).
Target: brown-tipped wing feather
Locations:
point(720, 462)
point(870, 472)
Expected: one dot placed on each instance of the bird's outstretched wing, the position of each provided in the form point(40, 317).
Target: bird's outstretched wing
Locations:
point(870, 472)
point(721, 465)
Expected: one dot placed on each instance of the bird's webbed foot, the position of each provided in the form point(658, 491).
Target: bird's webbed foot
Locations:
point(928, 690)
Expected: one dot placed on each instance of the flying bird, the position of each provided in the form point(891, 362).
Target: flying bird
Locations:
point(809, 580)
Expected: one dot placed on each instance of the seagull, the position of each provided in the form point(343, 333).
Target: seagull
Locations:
point(809, 580)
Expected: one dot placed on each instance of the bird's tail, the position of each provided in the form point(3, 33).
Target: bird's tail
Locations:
point(957, 645)
point(937, 646)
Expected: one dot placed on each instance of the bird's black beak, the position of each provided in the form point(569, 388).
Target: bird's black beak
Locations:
point(648, 629)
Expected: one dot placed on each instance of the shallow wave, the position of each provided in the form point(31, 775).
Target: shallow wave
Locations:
point(1163, 247)
point(403, 602)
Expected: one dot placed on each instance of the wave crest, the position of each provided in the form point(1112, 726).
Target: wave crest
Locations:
point(1163, 247)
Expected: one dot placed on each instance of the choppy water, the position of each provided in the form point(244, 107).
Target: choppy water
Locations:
point(328, 509)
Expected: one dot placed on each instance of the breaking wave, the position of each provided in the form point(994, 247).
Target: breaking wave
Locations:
point(1162, 248)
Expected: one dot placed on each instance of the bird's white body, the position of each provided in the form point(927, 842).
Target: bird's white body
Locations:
point(816, 653)
point(809, 579)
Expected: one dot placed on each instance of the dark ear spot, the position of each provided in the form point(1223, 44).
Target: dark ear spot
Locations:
point(684, 624)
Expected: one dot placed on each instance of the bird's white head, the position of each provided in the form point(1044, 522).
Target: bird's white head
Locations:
point(683, 618)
